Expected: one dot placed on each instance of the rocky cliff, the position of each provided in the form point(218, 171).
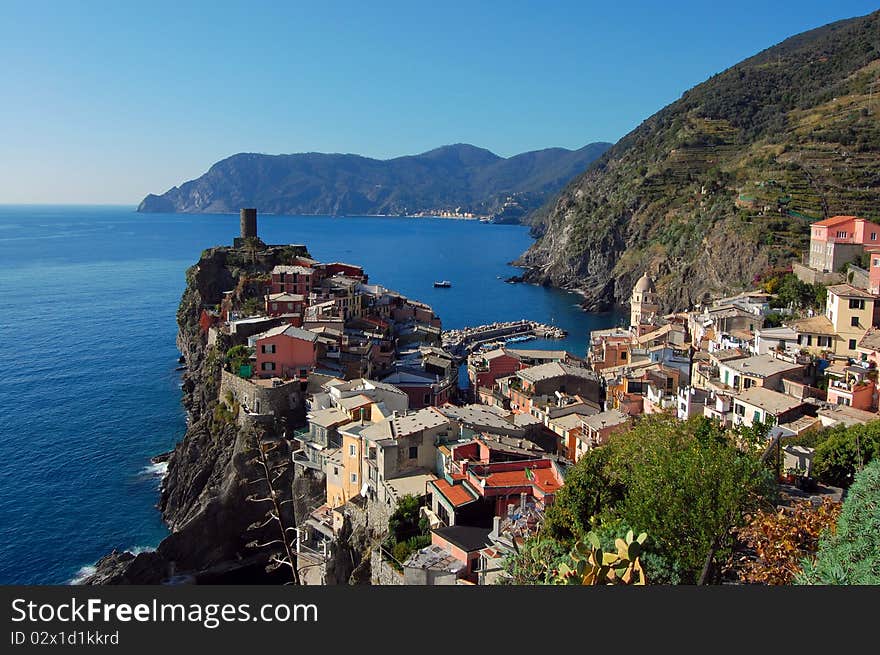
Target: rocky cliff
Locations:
point(723, 184)
point(210, 472)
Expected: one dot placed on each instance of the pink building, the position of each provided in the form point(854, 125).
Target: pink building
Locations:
point(838, 240)
point(297, 280)
point(285, 351)
point(873, 269)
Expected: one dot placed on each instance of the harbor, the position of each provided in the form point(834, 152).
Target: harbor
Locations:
point(464, 341)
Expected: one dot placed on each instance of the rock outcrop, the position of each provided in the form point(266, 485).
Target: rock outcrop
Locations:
point(211, 470)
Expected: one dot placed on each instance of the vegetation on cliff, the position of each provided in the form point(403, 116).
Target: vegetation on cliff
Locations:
point(723, 184)
point(457, 177)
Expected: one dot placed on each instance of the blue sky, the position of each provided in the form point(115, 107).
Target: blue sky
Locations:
point(104, 102)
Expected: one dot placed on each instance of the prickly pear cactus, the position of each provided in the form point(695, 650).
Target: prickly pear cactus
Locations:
point(590, 565)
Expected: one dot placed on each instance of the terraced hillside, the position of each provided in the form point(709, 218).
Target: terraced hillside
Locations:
point(723, 184)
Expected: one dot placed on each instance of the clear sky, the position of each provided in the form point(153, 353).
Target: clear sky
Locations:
point(104, 102)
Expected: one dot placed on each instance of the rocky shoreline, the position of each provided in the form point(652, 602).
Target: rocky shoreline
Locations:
point(203, 494)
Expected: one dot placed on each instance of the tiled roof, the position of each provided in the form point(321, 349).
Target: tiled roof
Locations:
point(288, 331)
point(456, 494)
point(848, 291)
point(871, 340)
point(768, 400)
point(834, 220)
point(543, 479)
point(814, 325)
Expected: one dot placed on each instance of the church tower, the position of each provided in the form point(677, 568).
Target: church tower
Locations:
point(643, 302)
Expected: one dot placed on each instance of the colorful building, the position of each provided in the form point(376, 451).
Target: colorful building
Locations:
point(839, 240)
point(285, 351)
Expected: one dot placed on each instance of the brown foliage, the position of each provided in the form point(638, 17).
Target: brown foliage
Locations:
point(781, 539)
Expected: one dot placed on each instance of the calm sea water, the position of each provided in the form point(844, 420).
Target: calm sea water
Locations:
point(89, 388)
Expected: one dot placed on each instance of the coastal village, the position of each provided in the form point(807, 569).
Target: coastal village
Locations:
point(475, 432)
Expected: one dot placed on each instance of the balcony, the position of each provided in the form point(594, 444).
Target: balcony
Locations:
point(301, 457)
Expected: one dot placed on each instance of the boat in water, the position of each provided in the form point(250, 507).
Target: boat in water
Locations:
point(443, 284)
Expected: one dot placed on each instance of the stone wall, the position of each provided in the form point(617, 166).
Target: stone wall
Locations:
point(259, 403)
point(382, 573)
point(812, 276)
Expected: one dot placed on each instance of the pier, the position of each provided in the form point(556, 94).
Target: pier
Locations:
point(464, 341)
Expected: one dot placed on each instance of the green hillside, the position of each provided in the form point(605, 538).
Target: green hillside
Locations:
point(723, 184)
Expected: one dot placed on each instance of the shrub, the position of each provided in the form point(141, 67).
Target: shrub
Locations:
point(851, 555)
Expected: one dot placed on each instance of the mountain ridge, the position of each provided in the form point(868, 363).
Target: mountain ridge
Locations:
point(459, 177)
point(720, 186)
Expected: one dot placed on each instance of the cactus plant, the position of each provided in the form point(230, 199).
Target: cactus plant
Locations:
point(590, 565)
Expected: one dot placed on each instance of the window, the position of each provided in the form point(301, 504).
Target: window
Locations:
point(841, 234)
point(354, 478)
point(854, 321)
point(856, 303)
point(823, 342)
point(352, 451)
point(335, 470)
point(875, 262)
point(413, 452)
point(427, 399)
point(270, 348)
point(873, 236)
point(268, 366)
point(747, 382)
point(852, 344)
point(623, 356)
point(756, 417)
point(739, 410)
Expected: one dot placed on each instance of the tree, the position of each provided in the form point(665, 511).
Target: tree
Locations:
point(588, 490)
point(407, 532)
point(685, 483)
point(851, 555)
point(237, 356)
point(273, 478)
point(844, 452)
point(688, 484)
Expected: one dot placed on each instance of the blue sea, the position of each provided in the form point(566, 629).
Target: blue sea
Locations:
point(87, 342)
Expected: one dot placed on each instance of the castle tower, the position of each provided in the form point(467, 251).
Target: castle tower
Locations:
point(248, 222)
point(643, 302)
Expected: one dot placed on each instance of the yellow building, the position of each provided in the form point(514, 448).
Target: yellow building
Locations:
point(851, 313)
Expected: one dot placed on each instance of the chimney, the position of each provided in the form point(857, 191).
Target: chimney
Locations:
point(496, 527)
point(510, 509)
point(522, 501)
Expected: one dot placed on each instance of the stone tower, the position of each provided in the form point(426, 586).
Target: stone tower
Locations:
point(248, 222)
point(643, 302)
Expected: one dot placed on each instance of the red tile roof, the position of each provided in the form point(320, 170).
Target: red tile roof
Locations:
point(834, 220)
point(457, 494)
point(543, 479)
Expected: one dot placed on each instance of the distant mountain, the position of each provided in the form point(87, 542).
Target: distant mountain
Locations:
point(721, 186)
point(456, 177)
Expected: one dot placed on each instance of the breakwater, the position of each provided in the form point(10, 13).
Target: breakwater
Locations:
point(462, 341)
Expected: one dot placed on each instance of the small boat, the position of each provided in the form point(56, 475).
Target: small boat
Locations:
point(445, 284)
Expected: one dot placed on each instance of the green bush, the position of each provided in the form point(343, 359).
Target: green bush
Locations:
point(844, 451)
